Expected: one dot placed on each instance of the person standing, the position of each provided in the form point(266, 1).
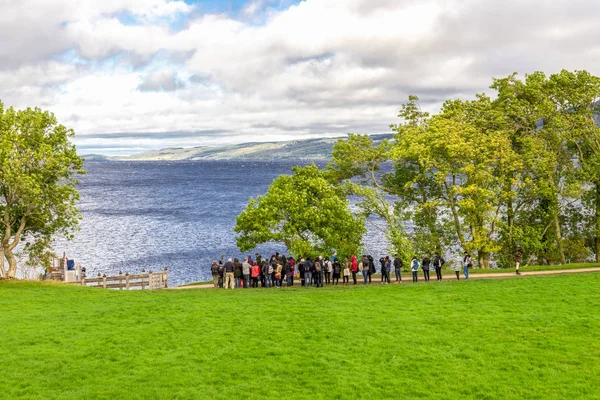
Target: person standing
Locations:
point(328, 270)
point(371, 267)
point(382, 265)
point(292, 270)
point(268, 271)
point(221, 271)
point(318, 274)
point(438, 263)
point(301, 271)
point(336, 271)
point(398, 268)
point(289, 272)
point(255, 272)
point(237, 272)
point(518, 259)
point(388, 269)
point(414, 268)
point(278, 272)
point(467, 263)
point(365, 269)
point(308, 267)
point(354, 268)
point(214, 270)
point(229, 269)
point(346, 272)
point(425, 266)
point(246, 267)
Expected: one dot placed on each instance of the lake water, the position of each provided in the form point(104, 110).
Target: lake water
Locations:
point(177, 214)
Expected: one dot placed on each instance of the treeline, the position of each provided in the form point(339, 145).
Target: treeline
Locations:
point(520, 170)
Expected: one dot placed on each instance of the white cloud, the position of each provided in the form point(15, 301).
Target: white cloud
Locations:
point(321, 67)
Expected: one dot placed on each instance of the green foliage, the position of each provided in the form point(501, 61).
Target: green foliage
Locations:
point(521, 340)
point(305, 212)
point(489, 176)
point(37, 184)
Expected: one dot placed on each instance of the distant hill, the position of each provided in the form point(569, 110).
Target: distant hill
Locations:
point(307, 149)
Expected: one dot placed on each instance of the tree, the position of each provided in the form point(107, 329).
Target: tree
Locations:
point(356, 167)
point(305, 212)
point(37, 184)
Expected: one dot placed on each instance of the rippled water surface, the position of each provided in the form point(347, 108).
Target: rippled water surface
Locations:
point(178, 215)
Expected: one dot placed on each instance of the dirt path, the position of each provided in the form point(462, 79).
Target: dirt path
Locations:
point(451, 276)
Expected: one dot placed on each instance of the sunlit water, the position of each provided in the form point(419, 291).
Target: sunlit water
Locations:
point(178, 215)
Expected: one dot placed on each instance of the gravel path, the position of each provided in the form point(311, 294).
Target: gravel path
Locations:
point(451, 276)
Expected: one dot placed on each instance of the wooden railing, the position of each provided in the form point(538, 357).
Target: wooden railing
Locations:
point(150, 280)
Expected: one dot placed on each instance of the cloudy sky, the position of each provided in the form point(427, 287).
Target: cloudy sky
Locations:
point(132, 75)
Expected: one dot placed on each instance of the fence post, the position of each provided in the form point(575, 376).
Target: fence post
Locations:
point(150, 282)
point(104, 281)
point(166, 275)
point(98, 283)
point(120, 280)
point(127, 280)
point(143, 271)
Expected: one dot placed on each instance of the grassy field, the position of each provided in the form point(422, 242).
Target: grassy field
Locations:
point(534, 338)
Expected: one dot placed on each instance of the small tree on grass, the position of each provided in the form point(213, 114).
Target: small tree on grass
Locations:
point(37, 185)
point(305, 212)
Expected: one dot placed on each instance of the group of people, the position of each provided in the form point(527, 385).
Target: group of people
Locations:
point(319, 271)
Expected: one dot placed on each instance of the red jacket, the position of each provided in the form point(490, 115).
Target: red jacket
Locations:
point(255, 271)
point(354, 264)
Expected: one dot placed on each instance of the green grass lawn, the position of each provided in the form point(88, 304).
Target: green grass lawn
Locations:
point(534, 338)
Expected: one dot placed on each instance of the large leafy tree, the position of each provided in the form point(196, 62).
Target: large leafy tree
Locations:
point(38, 165)
point(305, 212)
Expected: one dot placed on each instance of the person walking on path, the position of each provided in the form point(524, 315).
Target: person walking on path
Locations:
point(438, 263)
point(214, 270)
point(354, 268)
point(246, 267)
point(255, 272)
point(467, 263)
point(518, 259)
point(346, 272)
point(414, 268)
point(229, 269)
point(425, 266)
point(398, 268)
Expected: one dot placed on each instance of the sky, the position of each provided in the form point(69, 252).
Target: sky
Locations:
point(135, 75)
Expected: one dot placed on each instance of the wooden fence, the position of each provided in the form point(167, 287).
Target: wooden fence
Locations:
point(150, 280)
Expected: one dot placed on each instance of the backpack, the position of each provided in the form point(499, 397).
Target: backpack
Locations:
point(318, 266)
point(307, 266)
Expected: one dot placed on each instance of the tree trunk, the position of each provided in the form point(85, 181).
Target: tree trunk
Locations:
point(559, 242)
point(2, 269)
point(12, 263)
point(484, 259)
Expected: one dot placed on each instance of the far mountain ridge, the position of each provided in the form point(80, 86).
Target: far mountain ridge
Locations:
point(305, 149)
